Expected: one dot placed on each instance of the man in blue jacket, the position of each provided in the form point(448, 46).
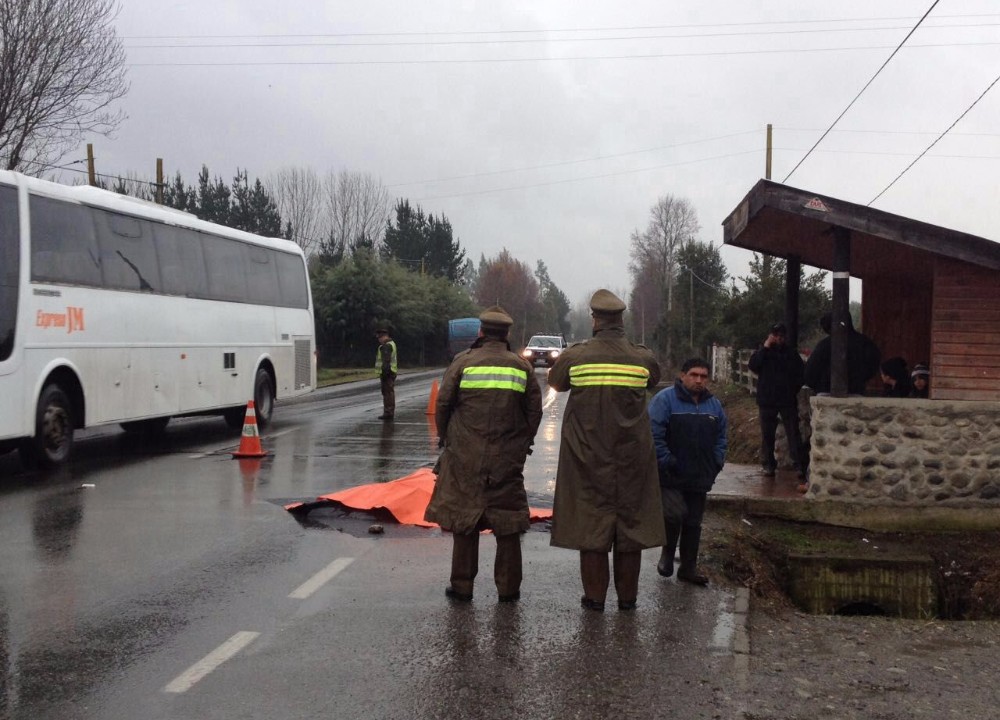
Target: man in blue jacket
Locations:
point(689, 432)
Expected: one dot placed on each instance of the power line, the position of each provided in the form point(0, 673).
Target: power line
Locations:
point(587, 177)
point(571, 162)
point(523, 41)
point(517, 31)
point(889, 132)
point(480, 61)
point(877, 72)
point(936, 140)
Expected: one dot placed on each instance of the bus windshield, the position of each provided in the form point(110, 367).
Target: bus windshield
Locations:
point(9, 269)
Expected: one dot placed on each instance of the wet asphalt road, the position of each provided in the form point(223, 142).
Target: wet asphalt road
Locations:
point(178, 587)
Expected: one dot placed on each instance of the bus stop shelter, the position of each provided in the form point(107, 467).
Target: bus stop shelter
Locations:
point(928, 294)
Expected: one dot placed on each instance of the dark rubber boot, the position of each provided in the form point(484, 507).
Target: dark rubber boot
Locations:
point(627, 566)
point(464, 566)
point(507, 567)
point(595, 576)
point(666, 564)
point(688, 571)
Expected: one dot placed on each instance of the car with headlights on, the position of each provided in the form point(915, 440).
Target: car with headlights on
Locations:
point(544, 349)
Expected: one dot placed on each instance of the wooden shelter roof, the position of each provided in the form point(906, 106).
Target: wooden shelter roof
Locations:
point(785, 222)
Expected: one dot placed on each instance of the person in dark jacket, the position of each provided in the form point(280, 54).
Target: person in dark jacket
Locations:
point(920, 381)
point(690, 434)
point(862, 360)
point(488, 411)
point(895, 378)
point(607, 495)
point(779, 376)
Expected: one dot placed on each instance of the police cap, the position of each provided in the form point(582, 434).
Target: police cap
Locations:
point(496, 318)
point(606, 302)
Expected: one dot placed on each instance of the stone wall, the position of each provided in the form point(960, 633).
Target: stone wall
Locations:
point(905, 452)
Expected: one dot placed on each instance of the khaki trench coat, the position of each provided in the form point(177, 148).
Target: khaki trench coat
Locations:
point(488, 410)
point(607, 488)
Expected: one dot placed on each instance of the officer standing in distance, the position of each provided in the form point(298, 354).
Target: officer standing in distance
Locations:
point(387, 365)
point(488, 411)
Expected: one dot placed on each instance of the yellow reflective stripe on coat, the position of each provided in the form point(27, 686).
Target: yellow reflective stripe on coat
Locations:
point(611, 374)
point(489, 377)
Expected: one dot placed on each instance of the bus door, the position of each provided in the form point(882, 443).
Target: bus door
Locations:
point(11, 387)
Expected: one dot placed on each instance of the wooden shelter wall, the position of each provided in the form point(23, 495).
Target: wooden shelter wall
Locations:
point(897, 300)
point(965, 357)
point(898, 318)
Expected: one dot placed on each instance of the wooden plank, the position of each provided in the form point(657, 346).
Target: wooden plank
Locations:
point(948, 303)
point(982, 315)
point(966, 383)
point(968, 327)
point(971, 338)
point(967, 291)
point(944, 359)
point(967, 371)
point(948, 394)
point(965, 349)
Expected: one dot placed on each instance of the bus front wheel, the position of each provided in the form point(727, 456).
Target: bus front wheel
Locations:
point(53, 438)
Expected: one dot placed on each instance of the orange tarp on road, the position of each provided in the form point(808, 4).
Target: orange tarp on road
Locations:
point(405, 498)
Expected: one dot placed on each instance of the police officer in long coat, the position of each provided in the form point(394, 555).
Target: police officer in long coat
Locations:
point(488, 410)
point(607, 491)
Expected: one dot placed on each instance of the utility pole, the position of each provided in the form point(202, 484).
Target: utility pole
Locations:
point(91, 175)
point(767, 161)
point(159, 181)
point(691, 304)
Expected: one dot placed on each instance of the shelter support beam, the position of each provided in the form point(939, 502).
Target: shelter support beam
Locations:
point(839, 327)
point(793, 269)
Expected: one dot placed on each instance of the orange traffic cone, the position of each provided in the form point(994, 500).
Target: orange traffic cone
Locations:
point(432, 402)
point(250, 442)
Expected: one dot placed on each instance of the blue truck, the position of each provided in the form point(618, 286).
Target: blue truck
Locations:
point(462, 332)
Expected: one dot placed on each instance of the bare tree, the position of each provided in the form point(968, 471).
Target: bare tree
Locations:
point(298, 194)
point(62, 67)
point(357, 210)
point(673, 222)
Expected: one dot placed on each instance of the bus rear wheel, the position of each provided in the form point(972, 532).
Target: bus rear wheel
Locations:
point(53, 440)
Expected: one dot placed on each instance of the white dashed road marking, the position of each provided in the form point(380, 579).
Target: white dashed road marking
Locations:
point(187, 679)
point(320, 579)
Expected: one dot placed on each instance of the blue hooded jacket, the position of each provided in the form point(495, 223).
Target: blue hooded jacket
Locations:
point(690, 438)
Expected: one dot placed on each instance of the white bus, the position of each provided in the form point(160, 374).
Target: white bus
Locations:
point(116, 310)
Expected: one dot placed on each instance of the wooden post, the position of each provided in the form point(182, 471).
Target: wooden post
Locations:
point(840, 322)
point(159, 181)
point(91, 174)
point(767, 162)
point(793, 266)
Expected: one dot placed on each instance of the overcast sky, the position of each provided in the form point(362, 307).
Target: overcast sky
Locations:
point(551, 127)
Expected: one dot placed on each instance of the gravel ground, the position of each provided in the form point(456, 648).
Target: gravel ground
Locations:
point(807, 666)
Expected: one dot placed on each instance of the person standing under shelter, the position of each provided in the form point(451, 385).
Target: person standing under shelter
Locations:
point(779, 376)
point(387, 365)
point(690, 434)
point(607, 497)
point(863, 359)
point(488, 411)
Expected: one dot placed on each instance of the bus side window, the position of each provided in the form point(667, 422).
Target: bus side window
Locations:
point(10, 268)
point(181, 260)
point(262, 277)
point(227, 277)
point(63, 243)
point(292, 280)
point(128, 258)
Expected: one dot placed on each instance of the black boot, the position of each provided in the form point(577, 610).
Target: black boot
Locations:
point(464, 566)
point(666, 564)
point(688, 571)
point(627, 566)
point(595, 576)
